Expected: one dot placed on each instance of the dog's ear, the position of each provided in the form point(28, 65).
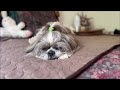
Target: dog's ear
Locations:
point(68, 31)
point(30, 48)
point(40, 32)
point(72, 41)
point(36, 39)
point(33, 42)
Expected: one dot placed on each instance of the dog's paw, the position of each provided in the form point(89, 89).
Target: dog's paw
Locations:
point(65, 56)
point(31, 40)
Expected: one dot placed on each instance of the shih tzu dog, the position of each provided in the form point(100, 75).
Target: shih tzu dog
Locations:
point(53, 41)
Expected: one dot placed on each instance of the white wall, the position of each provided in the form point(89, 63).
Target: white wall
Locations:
point(102, 19)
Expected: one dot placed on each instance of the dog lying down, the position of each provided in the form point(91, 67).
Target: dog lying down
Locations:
point(53, 41)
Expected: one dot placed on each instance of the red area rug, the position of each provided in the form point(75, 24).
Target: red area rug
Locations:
point(105, 66)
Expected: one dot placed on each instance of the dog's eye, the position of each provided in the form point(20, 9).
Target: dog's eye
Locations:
point(60, 48)
point(45, 48)
point(56, 48)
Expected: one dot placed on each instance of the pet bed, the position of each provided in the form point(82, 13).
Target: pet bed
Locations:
point(15, 65)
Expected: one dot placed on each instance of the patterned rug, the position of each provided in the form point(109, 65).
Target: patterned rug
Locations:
point(106, 67)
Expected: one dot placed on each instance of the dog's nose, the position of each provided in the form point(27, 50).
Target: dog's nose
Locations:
point(51, 53)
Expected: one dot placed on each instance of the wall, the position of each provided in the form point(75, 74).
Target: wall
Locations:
point(102, 19)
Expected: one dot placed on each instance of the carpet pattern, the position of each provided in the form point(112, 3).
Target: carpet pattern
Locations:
point(108, 67)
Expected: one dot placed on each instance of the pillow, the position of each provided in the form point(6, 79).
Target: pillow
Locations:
point(35, 19)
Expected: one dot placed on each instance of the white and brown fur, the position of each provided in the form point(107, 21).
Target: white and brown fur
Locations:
point(61, 41)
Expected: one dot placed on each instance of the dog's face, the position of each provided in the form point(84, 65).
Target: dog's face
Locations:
point(46, 51)
point(52, 45)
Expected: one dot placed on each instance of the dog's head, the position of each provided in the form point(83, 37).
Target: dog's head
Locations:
point(52, 41)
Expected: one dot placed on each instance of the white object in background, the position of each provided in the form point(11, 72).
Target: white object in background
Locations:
point(76, 23)
point(11, 29)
